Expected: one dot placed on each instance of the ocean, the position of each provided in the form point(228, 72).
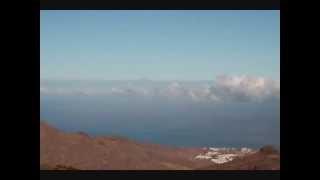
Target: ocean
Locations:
point(174, 121)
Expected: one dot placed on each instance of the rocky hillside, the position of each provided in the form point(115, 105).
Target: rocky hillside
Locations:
point(79, 151)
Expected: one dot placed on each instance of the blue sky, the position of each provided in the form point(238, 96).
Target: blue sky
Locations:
point(159, 45)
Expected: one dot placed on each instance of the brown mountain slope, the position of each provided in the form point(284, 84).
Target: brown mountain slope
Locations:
point(80, 151)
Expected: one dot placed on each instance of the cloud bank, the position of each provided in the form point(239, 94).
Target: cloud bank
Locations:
point(223, 89)
point(245, 88)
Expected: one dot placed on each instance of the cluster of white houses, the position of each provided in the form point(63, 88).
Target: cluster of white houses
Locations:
point(223, 155)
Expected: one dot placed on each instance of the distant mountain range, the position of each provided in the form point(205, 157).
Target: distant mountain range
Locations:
point(79, 151)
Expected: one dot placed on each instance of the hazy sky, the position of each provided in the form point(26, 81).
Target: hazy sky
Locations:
point(159, 45)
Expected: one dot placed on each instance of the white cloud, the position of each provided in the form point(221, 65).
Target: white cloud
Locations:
point(115, 90)
point(245, 88)
point(224, 88)
point(174, 89)
point(202, 93)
